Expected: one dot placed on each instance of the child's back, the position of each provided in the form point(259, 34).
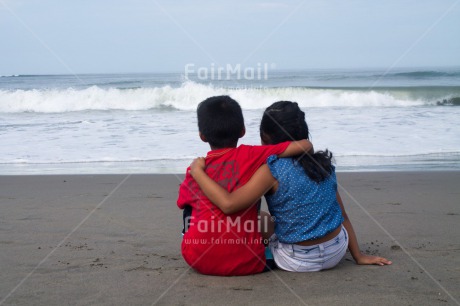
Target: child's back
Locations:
point(215, 243)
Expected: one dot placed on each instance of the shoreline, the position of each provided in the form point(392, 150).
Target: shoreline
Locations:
point(446, 161)
point(115, 168)
point(115, 239)
point(182, 173)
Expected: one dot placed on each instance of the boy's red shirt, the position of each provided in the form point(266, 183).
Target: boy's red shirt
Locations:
point(217, 244)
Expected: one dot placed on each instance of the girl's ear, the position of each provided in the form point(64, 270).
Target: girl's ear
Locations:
point(203, 138)
point(243, 132)
point(264, 139)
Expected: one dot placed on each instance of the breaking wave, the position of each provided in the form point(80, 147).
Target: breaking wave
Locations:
point(189, 94)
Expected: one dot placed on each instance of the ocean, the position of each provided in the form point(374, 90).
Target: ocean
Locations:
point(372, 120)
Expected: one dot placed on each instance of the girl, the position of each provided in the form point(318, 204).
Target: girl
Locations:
point(311, 230)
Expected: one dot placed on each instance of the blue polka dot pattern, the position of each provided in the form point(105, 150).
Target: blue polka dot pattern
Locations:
point(303, 209)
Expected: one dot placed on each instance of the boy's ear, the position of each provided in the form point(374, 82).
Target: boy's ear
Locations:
point(243, 132)
point(203, 138)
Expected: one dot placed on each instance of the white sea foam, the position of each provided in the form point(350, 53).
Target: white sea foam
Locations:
point(187, 97)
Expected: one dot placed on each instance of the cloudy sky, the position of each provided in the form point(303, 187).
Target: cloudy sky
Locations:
point(102, 36)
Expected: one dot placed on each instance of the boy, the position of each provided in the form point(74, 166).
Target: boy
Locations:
point(214, 243)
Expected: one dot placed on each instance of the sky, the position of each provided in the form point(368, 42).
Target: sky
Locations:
point(102, 36)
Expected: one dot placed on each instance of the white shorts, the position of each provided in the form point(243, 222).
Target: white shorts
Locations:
point(298, 258)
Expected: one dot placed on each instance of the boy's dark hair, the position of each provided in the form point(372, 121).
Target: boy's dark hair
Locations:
point(285, 121)
point(220, 121)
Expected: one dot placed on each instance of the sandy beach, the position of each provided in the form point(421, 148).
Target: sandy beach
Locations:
point(115, 240)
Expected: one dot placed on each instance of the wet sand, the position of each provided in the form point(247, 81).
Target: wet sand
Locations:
point(115, 239)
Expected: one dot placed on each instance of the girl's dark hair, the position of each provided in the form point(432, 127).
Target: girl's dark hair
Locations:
point(284, 121)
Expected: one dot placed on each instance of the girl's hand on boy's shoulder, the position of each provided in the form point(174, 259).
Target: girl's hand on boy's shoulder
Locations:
point(197, 165)
point(372, 260)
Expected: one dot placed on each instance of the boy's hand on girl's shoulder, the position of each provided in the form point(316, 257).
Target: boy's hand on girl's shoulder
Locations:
point(197, 165)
